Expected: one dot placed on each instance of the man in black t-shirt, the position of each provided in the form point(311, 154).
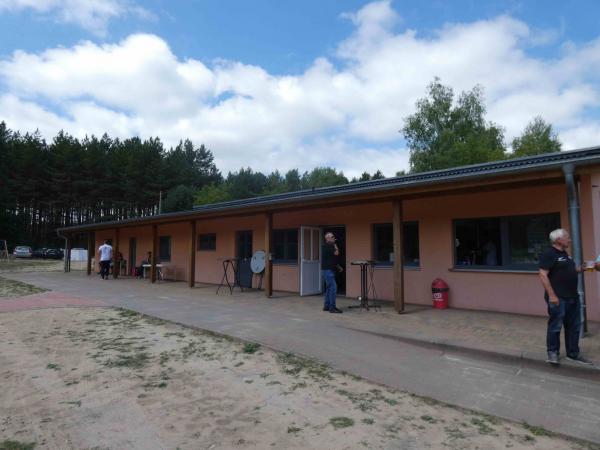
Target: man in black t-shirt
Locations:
point(559, 274)
point(329, 265)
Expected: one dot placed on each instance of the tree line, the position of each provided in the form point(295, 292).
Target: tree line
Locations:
point(68, 181)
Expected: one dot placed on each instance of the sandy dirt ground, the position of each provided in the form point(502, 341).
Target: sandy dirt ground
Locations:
point(103, 378)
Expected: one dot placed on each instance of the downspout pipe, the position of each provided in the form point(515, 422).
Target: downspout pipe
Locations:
point(575, 225)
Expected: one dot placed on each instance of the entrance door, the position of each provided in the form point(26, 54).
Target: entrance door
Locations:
point(132, 256)
point(310, 260)
point(244, 253)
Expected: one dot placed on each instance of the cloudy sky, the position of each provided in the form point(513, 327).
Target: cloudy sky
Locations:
point(280, 84)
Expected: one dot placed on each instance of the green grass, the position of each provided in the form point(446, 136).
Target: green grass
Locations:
point(537, 430)
point(53, 366)
point(13, 288)
point(16, 445)
point(135, 361)
point(341, 422)
point(251, 347)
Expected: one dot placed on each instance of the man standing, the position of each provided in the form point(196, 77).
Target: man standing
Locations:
point(558, 274)
point(329, 266)
point(105, 251)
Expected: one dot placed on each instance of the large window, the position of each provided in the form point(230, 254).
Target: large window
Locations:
point(164, 248)
point(502, 242)
point(285, 246)
point(383, 244)
point(207, 241)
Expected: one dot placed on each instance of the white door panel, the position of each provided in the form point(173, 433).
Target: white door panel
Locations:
point(310, 260)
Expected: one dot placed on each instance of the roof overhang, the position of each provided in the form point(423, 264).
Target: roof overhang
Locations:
point(497, 175)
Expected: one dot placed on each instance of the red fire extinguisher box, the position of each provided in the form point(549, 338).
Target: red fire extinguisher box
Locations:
point(440, 291)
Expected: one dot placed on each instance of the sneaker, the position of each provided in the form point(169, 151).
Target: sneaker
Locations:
point(553, 358)
point(325, 308)
point(580, 359)
point(335, 310)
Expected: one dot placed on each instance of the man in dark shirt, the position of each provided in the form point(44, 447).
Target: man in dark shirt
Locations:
point(558, 274)
point(329, 265)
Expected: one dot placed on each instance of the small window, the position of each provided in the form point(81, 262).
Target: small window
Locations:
point(285, 246)
point(503, 242)
point(383, 244)
point(164, 248)
point(207, 241)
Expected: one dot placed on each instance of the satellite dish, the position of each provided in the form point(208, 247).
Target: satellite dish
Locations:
point(257, 263)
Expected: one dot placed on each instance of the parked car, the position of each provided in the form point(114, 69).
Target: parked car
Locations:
point(54, 253)
point(22, 251)
point(38, 253)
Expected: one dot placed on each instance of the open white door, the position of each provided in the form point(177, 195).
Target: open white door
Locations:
point(310, 260)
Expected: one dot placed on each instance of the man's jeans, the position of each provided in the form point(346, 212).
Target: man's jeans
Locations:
point(330, 288)
point(565, 313)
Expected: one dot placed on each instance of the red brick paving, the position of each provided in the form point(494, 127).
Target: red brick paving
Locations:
point(45, 300)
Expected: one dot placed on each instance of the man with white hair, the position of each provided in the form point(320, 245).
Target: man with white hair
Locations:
point(558, 274)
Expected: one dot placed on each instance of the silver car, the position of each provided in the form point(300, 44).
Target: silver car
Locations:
point(22, 251)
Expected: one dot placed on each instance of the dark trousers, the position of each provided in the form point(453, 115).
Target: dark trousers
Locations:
point(566, 314)
point(104, 268)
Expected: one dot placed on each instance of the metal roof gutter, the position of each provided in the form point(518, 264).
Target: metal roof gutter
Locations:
point(583, 157)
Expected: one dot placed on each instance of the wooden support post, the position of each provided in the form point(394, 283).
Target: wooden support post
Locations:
point(90, 249)
point(268, 277)
point(69, 244)
point(398, 236)
point(154, 250)
point(192, 261)
point(116, 260)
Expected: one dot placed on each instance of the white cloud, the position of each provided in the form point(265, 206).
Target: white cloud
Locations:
point(344, 110)
point(92, 15)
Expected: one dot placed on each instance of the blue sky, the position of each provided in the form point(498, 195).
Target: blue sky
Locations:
point(298, 83)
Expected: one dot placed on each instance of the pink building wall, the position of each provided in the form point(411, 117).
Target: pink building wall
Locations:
point(516, 292)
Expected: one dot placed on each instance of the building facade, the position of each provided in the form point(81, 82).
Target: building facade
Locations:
point(480, 228)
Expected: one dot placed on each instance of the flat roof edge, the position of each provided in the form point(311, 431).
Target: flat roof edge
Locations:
point(550, 161)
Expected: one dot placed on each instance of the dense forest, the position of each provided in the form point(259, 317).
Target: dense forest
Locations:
point(45, 186)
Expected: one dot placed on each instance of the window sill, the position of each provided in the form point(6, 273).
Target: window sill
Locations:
point(521, 271)
point(391, 266)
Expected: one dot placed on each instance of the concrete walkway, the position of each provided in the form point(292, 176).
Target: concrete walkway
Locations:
point(489, 362)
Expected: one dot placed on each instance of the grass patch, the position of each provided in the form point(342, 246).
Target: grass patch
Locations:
point(482, 426)
point(53, 366)
point(537, 430)
point(16, 445)
point(293, 430)
point(368, 421)
point(455, 433)
point(75, 403)
point(251, 347)
point(13, 288)
point(135, 361)
point(296, 366)
point(341, 422)
point(428, 418)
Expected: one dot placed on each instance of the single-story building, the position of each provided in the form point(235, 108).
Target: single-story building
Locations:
point(478, 227)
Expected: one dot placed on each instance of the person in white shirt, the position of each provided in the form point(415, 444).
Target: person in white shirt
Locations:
point(106, 253)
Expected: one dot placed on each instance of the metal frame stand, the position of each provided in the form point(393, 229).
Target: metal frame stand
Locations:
point(227, 263)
